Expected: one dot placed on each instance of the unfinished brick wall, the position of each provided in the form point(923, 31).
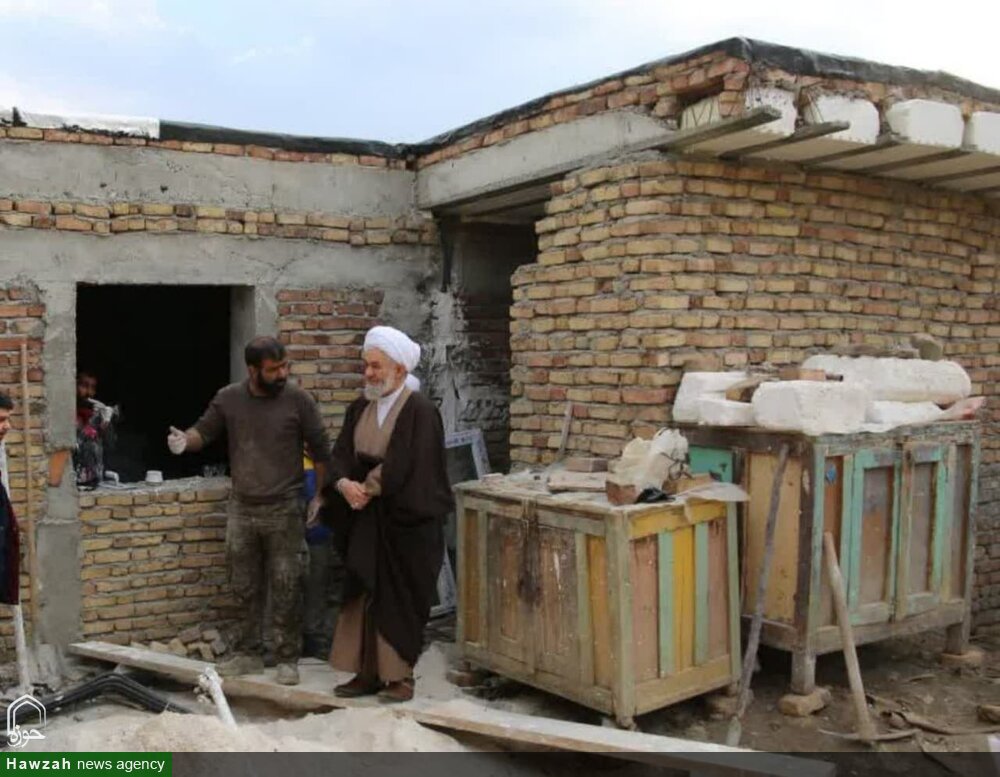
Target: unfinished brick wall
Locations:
point(643, 264)
point(324, 330)
point(665, 89)
point(21, 321)
point(154, 561)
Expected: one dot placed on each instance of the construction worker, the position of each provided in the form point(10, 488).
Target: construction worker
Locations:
point(268, 422)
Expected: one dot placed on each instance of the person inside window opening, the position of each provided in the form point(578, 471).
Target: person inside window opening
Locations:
point(94, 431)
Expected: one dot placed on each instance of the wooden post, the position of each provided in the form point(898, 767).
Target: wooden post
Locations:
point(750, 658)
point(28, 524)
point(866, 729)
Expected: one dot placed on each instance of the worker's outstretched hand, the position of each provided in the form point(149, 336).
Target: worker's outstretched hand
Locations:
point(176, 441)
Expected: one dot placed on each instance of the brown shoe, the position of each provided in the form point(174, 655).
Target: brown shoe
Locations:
point(359, 686)
point(401, 690)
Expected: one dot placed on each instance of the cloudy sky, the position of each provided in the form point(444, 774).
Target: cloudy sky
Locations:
point(403, 70)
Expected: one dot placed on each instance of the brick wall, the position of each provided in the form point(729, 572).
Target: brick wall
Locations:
point(324, 330)
point(154, 560)
point(21, 321)
point(643, 264)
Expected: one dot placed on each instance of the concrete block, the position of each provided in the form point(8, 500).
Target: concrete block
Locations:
point(971, 659)
point(899, 380)
point(713, 411)
point(698, 385)
point(892, 414)
point(927, 122)
point(799, 706)
point(135, 126)
point(771, 97)
point(982, 132)
point(811, 407)
point(862, 115)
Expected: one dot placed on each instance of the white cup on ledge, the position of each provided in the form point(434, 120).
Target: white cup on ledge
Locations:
point(154, 476)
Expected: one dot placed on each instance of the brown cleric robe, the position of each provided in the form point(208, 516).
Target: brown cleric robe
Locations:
point(393, 548)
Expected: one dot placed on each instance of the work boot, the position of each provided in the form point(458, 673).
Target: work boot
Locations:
point(240, 664)
point(400, 690)
point(287, 674)
point(359, 686)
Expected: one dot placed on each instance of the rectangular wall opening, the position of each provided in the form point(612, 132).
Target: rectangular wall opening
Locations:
point(159, 353)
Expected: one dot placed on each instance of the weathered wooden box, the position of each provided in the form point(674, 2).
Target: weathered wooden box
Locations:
point(621, 609)
point(900, 506)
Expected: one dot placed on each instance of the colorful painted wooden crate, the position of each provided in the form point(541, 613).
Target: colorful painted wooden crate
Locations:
point(621, 609)
point(901, 509)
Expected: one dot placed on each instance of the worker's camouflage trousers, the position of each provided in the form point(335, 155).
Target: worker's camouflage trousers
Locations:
point(266, 554)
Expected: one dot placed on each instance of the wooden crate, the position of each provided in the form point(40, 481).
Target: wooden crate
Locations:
point(636, 607)
point(900, 506)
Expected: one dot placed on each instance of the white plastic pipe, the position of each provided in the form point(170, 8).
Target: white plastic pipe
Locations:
point(210, 682)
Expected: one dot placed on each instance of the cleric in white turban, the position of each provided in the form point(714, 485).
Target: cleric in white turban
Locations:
point(387, 501)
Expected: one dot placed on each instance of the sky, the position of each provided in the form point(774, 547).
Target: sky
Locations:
point(404, 70)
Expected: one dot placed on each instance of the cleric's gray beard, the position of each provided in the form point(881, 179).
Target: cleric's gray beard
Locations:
point(373, 391)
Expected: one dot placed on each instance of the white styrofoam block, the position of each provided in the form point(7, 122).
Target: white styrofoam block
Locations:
point(772, 97)
point(706, 111)
point(982, 132)
point(862, 115)
point(695, 385)
point(927, 122)
point(893, 414)
point(713, 411)
point(899, 380)
point(136, 126)
point(6, 115)
point(810, 406)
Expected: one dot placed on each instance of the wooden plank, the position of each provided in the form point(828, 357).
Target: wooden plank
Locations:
point(561, 519)
point(585, 632)
point(717, 461)
point(672, 518)
point(600, 614)
point(623, 687)
point(468, 575)
point(645, 595)
point(701, 608)
point(717, 591)
point(693, 681)
point(917, 534)
point(733, 598)
point(568, 687)
point(556, 618)
point(942, 528)
point(683, 598)
point(875, 495)
point(665, 550)
point(512, 727)
point(779, 602)
point(507, 626)
point(960, 478)
point(832, 506)
point(482, 534)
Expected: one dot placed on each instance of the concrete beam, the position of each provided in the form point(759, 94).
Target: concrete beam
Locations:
point(537, 156)
point(107, 173)
point(52, 257)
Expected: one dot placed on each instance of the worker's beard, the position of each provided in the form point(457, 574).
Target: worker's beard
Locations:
point(273, 388)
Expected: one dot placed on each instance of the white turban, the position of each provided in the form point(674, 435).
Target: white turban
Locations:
point(398, 347)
